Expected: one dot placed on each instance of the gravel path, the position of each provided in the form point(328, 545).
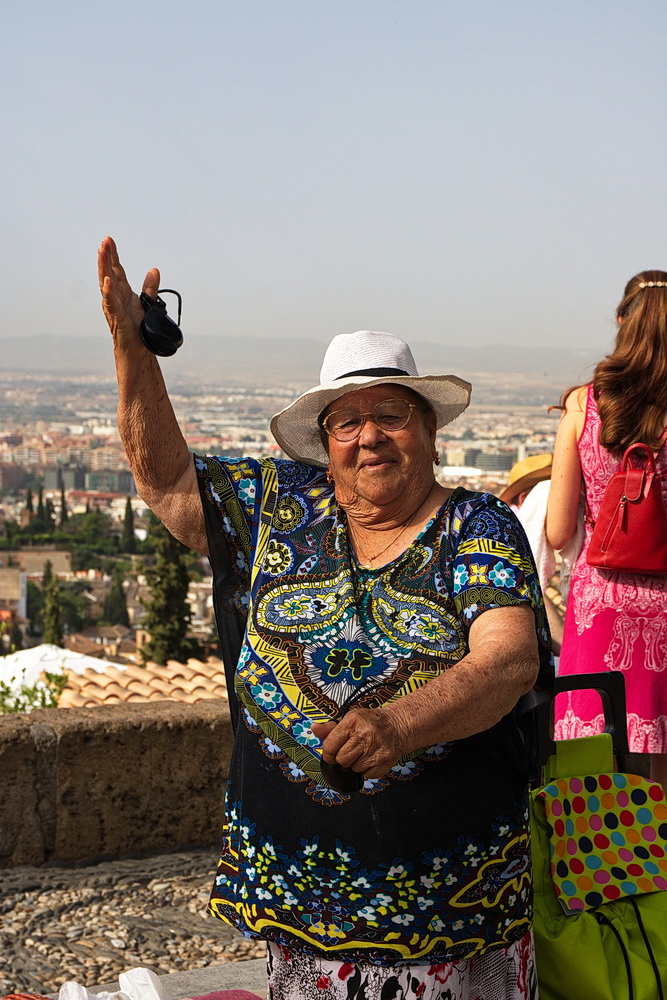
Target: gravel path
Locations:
point(89, 924)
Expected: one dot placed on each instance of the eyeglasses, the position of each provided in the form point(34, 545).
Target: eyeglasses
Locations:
point(389, 415)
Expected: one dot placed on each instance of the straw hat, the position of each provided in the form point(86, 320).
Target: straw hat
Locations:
point(359, 359)
point(526, 474)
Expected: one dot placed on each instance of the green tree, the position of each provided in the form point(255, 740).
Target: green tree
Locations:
point(15, 637)
point(115, 605)
point(49, 514)
point(37, 524)
point(35, 597)
point(52, 629)
point(128, 542)
point(47, 574)
point(28, 501)
point(94, 527)
point(10, 530)
point(168, 613)
point(63, 507)
point(74, 609)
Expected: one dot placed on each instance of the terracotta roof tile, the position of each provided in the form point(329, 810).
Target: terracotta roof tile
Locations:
point(114, 690)
point(188, 683)
point(94, 692)
point(72, 699)
point(207, 683)
point(157, 696)
point(174, 669)
point(138, 687)
point(161, 685)
point(120, 676)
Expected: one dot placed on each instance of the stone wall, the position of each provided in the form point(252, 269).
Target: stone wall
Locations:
point(82, 784)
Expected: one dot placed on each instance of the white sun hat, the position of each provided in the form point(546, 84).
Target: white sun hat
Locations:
point(359, 359)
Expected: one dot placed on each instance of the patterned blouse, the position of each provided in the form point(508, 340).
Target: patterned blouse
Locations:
point(430, 863)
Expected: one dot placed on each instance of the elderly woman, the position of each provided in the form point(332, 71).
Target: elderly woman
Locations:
point(378, 631)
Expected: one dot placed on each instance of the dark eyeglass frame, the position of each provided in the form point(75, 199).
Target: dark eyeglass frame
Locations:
point(370, 414)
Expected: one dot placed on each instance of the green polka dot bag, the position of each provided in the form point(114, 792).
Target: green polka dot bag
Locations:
point(599, 843)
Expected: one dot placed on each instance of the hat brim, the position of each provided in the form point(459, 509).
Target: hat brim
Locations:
point(511, 492)
point(298, 433)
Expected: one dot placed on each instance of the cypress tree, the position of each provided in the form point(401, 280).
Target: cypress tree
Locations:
point(128, 542)
point(47, 574)
point(52, 629)
point(168, 613)
point(115, 606)
point(49, 514)
point(40, 506)
point(63, 507)
point(29, 502)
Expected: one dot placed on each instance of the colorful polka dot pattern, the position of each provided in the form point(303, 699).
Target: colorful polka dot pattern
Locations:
point(608, 838)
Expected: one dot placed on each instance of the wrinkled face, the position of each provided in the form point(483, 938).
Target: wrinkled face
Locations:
point(382, 466)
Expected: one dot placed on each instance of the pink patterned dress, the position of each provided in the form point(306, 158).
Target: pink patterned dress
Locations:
point(614, 621)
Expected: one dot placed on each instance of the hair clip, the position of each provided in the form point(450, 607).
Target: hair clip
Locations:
point(158, 331)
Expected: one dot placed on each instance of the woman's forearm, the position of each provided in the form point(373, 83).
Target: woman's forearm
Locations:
point(470, 697)
point(156, 449)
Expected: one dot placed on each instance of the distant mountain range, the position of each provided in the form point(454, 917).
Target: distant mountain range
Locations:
point(295, 360)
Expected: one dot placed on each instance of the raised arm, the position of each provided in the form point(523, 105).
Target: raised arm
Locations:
point(563, 503)
point(161, 464)
point(468, 698)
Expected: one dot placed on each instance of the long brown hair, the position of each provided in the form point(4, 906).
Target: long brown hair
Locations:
point(630, 384)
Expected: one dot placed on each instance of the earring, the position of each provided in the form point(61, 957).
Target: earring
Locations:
point(330, 478)
point(436, 458)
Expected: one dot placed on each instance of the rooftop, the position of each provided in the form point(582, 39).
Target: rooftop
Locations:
point(94, 681)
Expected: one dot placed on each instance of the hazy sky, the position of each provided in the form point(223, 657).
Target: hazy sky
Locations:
point(459, 171)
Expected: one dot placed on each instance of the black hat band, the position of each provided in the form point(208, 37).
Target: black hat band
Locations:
point(375, 372)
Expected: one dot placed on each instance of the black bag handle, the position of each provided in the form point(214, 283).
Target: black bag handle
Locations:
point(610, 685)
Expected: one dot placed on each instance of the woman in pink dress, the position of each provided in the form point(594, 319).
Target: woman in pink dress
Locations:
point(615, 621)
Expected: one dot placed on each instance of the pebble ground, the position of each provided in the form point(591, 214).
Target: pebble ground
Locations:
point(91, 923)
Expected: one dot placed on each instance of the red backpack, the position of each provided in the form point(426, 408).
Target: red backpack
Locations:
point(630, 533)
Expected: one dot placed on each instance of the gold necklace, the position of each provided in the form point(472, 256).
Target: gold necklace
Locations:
point(401, 529)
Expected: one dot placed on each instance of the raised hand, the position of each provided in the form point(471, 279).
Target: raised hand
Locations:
point(122, 308)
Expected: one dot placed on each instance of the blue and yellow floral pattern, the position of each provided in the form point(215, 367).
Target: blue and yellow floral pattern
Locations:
point(412, 868)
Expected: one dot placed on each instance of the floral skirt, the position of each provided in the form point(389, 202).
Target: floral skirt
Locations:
point(502, 974)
